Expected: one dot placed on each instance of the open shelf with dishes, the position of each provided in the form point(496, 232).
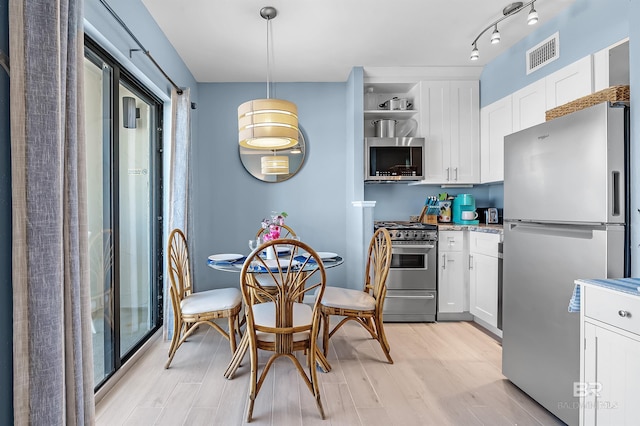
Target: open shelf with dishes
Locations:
point(391, 101)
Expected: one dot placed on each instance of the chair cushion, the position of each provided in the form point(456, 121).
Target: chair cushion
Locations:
point(345, 298)
point(211, 300)
point(264, 315)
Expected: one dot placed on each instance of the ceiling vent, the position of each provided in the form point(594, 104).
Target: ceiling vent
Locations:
point(545, 52)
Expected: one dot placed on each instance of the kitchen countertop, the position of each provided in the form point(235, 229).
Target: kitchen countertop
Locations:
point(489, 228)
point(624, 285)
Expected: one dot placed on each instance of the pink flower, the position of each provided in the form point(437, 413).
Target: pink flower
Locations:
point(272, 226)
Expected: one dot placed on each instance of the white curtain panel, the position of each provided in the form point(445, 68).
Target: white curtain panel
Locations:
point(178, 182)
point(53, 372)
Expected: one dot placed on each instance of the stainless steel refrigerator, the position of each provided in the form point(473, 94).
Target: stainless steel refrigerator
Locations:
point(565, 208)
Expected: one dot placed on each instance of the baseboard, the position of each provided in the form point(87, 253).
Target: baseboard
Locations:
point(454, 316)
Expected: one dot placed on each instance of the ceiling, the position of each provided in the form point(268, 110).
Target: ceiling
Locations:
point(320, 41)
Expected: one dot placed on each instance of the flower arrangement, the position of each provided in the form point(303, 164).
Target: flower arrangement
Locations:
point(272, 226)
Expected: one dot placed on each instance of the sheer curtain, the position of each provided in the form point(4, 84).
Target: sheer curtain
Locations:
point(178, 183)
point(53, 375)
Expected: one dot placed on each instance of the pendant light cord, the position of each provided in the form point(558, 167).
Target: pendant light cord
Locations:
point(268, 60)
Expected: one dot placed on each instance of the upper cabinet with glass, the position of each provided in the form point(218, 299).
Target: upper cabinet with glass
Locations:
point(274, 165)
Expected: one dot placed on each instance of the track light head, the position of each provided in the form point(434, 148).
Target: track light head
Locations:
point(474, 53)
point(495, 35)
point(532, 18)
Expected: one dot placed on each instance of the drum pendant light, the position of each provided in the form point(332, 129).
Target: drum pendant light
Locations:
point(274, 165)
point(268, 123)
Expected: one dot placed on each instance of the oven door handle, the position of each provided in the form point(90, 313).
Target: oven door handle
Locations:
point(403, 248)
point(428, 296)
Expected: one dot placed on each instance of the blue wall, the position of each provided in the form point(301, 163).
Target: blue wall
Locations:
point(399, 201)
point(228, 203)
point(6, 305)
point(585, 27)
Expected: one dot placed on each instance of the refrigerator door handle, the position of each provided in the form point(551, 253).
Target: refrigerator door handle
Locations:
point(616, 191)
point(557, 230)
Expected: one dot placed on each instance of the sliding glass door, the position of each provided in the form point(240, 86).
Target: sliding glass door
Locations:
point(124, 173)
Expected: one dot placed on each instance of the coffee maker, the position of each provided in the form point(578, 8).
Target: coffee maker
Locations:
point(464, 210)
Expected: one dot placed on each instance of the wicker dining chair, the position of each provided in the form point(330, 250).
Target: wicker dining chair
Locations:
point(363, 306)
point(191, 309)
point(282, 324)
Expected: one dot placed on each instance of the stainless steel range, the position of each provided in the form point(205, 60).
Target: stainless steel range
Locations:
point(411, 284)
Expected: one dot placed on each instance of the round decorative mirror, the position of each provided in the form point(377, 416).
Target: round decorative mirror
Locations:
point(274, 166)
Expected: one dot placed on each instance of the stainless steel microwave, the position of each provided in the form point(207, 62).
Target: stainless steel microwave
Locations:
point(394, 159)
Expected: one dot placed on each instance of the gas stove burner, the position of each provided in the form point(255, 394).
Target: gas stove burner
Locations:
point(400, 224)
point(409, 232)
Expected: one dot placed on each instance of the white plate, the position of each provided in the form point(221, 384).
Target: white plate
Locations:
point(326, 255)
point(284, 263)
point(280, 249)
point(225, 257)
point(323, 255)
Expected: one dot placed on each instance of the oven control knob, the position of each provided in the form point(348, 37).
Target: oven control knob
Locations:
point(415, 235)
point(406, 234)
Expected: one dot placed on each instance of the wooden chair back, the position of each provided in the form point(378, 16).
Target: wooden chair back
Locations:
point(378, 265)
point(288, 283)
point(178, 267)
point(285, 232)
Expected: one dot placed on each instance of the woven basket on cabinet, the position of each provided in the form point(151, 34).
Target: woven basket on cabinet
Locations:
point(610, 94)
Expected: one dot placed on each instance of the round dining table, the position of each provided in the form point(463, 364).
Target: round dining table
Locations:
point(230, 262)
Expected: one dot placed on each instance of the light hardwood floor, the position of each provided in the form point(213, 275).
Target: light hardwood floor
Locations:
point(444, 374)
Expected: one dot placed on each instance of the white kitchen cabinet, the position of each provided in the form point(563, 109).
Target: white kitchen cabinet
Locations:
point(569, 83)
point(610, 371)
point(450, 121)
point(483, 276)
point(529, 105)
point(453, 287)
point(496, 124)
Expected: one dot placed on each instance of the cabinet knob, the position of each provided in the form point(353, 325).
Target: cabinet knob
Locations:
point(624, 313)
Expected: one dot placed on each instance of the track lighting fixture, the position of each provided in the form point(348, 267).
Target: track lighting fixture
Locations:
point(509, 10)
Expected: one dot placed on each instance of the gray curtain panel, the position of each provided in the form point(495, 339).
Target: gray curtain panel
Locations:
point(179, 179)
point(53, 374)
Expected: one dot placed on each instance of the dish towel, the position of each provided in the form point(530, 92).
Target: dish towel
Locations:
point(574, 302)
